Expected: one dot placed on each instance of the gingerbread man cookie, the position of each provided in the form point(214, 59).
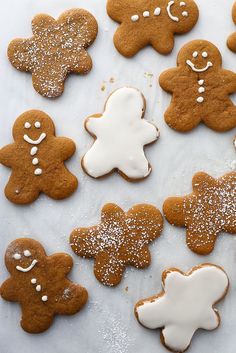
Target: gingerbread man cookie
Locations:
point(57, 48)
point(120, 135)
point(150, 23)
point(120, 240)
point(37, 160)
point(209, 210)
point(185, 305)
point(200, 88)
point(38, 283)
point(231, 42)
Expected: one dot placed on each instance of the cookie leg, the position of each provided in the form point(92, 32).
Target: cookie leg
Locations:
point(60, 185)
point(182, 336)
point(21, 191)
point(224, 121)
point(137, 168)
point(200, 242)
point(231, 42)
point(181, 122)
point(163, 43)
point(71, 300)
point(36, 318)
point(108, 269)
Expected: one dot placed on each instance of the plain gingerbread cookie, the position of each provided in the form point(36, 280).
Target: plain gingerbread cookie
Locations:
point(39, 284)
point(200, 89)
point(56, 49)
point(207, 211)
point(185, 305)
point(152, 23)
point(37, 160)
point(120, 134)
point(120, 240)
point(231, 42)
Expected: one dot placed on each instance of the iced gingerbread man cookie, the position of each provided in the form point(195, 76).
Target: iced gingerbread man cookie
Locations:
point(153, 23)
point(207, 211)
point(120, 240)
point(185, 305)
point(120, 135)
point(201, 89)
point(37, 160)
point(56, 49)
point(231, 42)
point(39, 284)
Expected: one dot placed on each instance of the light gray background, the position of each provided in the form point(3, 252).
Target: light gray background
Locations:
point(107, 324)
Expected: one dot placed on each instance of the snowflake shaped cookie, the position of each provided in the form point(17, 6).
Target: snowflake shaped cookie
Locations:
point(120, 135)
point(153, 23)
point(57, 48)
point(185, 305)
point(209, 210)
point(120, 240)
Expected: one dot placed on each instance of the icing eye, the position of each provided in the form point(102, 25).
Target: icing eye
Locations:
point(195, 54)
point(37, 125)
point(27, 125)
point(17, 256)
point(185, 13)
point(157, 11)
point(182, 3)
point(204, 54)
point(27, 253)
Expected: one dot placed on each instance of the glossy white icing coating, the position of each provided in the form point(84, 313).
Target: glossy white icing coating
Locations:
point(121, 135)
point(186, 305)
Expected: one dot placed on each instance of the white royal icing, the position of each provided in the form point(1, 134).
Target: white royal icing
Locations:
point(44, 298)
point(195, 54)
point(201, 89)
point(38, 171)
point(201, 82)
point(146, 14)
point(17, 256)
point(200, 99)
point(37, 125)
point(204, 54)
point(35, 161)
point(185, 13)
point(27, 125)
point(182, 3)
point(121, 135)
point(27, 253)
point(157, 11)
point(135, 18)
point(185, 306)
point(35, 142)
point(168, 9)
point(33, 281)
point(38, 288)
point(27, 269)
point(208, 65)
point(33, 150)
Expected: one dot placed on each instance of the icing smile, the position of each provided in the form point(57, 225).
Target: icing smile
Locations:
point(27, 269)
point(208, 65)
point(35, 142)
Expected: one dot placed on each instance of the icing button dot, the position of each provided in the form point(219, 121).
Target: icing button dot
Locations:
point(201, 82)
point(157, 11)
point(201, 89)
point(33, 150)
point(146, 14)
point(135, 18)
point(33, 281)
point(38, 288)
point(44, 298)
point(38, 171)
point(35, 161)
point(200, 99)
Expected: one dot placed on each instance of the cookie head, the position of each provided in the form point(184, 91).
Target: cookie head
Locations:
point(200, 56)
point(23, 255)
point(182, 14)
point(33, 127)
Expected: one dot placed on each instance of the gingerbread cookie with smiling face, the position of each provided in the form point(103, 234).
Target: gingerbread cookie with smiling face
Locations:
point(231, 42)
point(200, 89)
point(37, 160)
point(39, 284)
point(150, 23)
point(209, 210)
point(120, 136)
point(185, 305)
point(56, 49)
point(120, 240)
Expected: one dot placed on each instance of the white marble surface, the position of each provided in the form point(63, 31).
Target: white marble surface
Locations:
point(107, 324)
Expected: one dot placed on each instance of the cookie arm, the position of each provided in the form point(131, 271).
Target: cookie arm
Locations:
point(61, 263)
point(229, 80)
point(168, 79)
point(65, 147)
point(7, 155)
point(9, 291)
point(173, 209)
